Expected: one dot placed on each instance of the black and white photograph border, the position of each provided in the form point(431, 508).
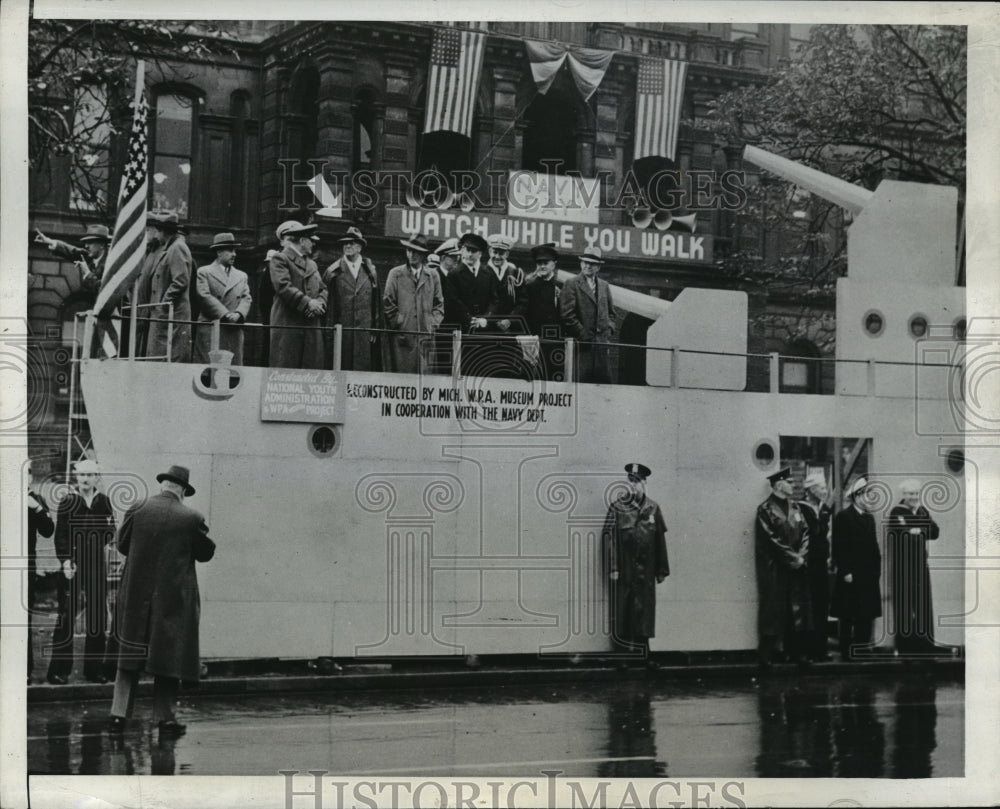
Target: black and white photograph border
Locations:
point(488, 576)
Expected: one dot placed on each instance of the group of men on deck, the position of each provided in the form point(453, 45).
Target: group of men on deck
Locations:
point(514, 323)
point(466, 284)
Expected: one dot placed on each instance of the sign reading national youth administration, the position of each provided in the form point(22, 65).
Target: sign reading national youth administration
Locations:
point(571, 238)
point(299, 395)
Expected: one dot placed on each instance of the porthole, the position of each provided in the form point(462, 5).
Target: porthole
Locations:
point(323, 440)
point(764, 454)
point(873, 322)
point(917, 326)
point(955, 461)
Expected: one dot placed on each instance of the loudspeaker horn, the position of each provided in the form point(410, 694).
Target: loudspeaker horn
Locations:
point(662, 220)
point(641, 217)
point(689, 222)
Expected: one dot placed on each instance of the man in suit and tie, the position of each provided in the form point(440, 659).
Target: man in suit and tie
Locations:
point(538, 305)
point(588, 315)
point(300, 298)
point(224, 295)
point(470, 299)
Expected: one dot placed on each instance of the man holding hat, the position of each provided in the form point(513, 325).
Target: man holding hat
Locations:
point(588, 315)
point(300, 299)
point(84, 526)
point(224, 294)
point(354, 301)
point(817, 513)
point(414, 304)
point(165, 280)
point(857, 595)
point(89, 258)
point(158, 602)
point(635, 539)
point(538, 304)
point(781, 545)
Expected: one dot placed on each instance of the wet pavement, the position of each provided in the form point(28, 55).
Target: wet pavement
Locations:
point(900, 725)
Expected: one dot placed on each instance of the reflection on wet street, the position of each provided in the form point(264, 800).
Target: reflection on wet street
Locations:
point(909, 726)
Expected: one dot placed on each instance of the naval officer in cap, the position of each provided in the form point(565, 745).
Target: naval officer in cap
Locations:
point(635, 538)
point(781, 543)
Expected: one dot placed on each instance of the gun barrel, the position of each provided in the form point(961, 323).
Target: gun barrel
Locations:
point(840, 192)
point(631, 301)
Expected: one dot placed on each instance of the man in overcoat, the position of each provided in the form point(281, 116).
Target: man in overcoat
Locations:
point(909, 528)
point(635, 539)
point(471, 298)
point(84, 526)
point(89, 259)
point(355, 302)
point(857, 596)
point(167, 274)
point(159, 604)
point(781, 545)
point(588, 316)
point(39, 523)
point(538, 304)
point(413, 302)
point(506, 361)
point(817, 513)
point(300, 300)
point(224, 295)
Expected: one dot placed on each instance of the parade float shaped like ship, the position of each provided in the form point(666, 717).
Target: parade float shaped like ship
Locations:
point(376, 514)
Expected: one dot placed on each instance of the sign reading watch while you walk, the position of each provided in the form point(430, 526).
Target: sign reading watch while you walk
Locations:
point(572, 237)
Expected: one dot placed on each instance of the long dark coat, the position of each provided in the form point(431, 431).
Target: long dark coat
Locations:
point(912, 606)
point(589, 317)
point(158, 602)
point(412, 307)
point(817, 558)
point(169, 281)
point(538, 304)
point(220, 292)
point(780, 533)
point(82, 532)
point(856, 552)
point(469, 295)
point(354, 303)
point(296, 281)
point(635, 537)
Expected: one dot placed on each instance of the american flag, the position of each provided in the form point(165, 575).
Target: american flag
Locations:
point(456, 61)
point(128, 245)
point(659, 94)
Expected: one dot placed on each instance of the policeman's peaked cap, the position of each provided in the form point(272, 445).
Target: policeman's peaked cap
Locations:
point(638, 470)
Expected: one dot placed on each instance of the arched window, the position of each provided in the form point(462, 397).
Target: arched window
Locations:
point(552, 128)
point(173, 151)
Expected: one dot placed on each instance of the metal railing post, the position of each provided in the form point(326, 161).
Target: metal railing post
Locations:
point(871, 378)
point(456, 356)
point(133, 320)
point(570, 360)
point(675, 358)
point(73, 370)
point(338, 346)
point(216, 335)
point(170, 331)
point(775, 372)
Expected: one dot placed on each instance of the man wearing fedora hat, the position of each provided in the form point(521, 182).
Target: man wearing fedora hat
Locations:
point(588, 316)
point(355, 302)
point(84, 526)
point(538, 305)
point(89, 258)
point(224, 295)
point(300, 299)
point(470, 299)
point(635, 540)
point(166, 280)
point(414, 304)
point(781, 545)
point(817, 513)
point(159, 603)
point(857, 593)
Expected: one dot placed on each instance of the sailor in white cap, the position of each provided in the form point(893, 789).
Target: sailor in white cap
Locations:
point(857, 594)
point(84, 526)
point(817, 513)
point(781, 543)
